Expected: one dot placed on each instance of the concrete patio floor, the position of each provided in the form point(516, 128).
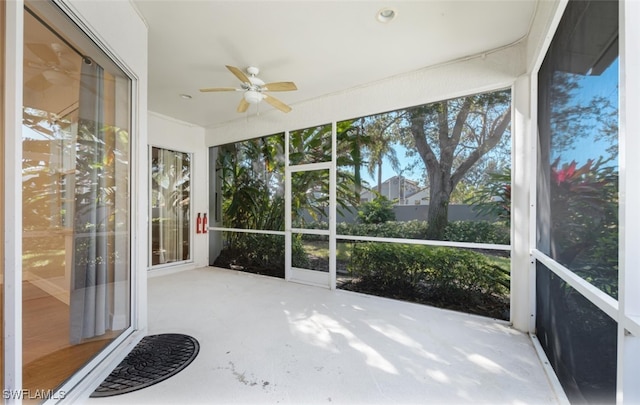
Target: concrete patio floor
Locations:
point(267, 341)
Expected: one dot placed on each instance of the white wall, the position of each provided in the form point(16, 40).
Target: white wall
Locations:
point(169, 133)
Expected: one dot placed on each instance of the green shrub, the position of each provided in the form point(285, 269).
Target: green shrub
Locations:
point(299, 257)
point(477, 232)
point(413, 229)
point(454, 271)
point(262, 251)
point(388, 266)
point(377, 211)
point(438, 270)
point(457, 231)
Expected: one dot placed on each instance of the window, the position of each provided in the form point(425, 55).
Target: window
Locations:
point(170, 206)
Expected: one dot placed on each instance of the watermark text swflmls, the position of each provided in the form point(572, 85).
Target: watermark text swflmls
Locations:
point(40, 394)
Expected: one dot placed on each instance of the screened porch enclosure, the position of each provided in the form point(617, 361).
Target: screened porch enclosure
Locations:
point(281, 197)
point(494, 217)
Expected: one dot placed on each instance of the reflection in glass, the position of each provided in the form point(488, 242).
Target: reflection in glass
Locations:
point(170, 206)
point(254, 253)
point(578, 338)
point(76, 224)
point(252, 173)
point(311, 145)
point(578, 120)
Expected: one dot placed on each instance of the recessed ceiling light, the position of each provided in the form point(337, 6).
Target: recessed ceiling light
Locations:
point(386, 14)
point(185, 96)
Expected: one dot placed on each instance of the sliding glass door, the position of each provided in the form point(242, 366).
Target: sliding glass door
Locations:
point(76, 199)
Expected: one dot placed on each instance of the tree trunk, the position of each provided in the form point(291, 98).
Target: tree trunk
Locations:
point(357, 163)
point(442, 178)
point(438, 213)
point(380, 177)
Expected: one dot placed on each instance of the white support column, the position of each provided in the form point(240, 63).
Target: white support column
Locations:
point(628, 389)
point(521, 289)
point(13, 199)
point(532, 170)
point(333, 174)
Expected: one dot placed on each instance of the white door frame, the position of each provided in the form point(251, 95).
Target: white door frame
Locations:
point(305, 276)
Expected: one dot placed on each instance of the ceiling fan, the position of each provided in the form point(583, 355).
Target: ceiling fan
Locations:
point(255, 90)
point(54, 67)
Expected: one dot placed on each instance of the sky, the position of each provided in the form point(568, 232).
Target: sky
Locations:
point(590, 146)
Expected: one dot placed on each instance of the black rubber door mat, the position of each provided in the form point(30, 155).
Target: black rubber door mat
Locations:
point(154, 359)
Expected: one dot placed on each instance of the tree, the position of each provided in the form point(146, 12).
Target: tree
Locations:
point(352, 139)
point(381, 130)
point(252, 185)
point(493, 199)
point(450, 137)
point(311, 188)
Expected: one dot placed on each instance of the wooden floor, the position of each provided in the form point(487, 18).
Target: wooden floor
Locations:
point(48, 357)
point(52, 370)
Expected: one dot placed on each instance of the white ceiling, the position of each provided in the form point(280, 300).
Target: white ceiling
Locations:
point(323, 46)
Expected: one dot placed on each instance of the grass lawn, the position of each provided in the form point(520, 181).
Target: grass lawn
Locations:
point(321, 249)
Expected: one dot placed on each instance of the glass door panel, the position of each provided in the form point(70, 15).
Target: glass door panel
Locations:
point(76, 203)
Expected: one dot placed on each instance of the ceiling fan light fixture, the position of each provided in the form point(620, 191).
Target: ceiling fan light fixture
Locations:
point(57, 78)
point(253, 97)
point(386, 14)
